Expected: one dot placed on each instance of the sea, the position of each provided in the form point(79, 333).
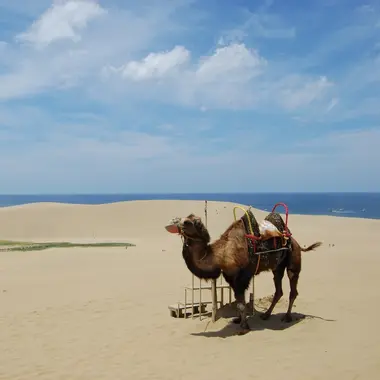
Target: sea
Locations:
point(357, 205)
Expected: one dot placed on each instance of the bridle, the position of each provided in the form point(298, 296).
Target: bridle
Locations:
point(185, 237)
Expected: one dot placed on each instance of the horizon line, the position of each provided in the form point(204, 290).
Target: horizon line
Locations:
point(195, 193)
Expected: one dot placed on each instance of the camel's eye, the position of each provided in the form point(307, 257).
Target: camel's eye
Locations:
point(187, 222)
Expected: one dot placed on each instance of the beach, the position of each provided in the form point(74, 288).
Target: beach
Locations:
point(102, 313)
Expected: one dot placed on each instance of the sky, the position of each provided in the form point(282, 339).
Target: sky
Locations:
point(120, 96)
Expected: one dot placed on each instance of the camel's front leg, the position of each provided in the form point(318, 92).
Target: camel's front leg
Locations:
point(241, 283)
point(242, 309)
point(231, 281)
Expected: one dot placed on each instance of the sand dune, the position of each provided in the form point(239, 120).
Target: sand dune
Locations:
point(102, 313)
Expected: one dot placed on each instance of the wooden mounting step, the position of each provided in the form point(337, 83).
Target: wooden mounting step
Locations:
point(179, 310)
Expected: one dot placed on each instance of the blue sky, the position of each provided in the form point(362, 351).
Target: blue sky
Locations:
point(189, 96)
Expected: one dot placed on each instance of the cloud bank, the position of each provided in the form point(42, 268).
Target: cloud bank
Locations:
point(120, 97)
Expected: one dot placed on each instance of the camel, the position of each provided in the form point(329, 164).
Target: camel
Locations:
point(239, 256)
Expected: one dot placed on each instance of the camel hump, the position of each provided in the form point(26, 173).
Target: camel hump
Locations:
point(276, 219)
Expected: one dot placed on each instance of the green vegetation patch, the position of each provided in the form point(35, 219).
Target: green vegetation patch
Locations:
point(10, 242)
point(8, 245)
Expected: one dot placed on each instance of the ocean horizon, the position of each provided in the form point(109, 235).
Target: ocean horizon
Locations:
point(344, 204)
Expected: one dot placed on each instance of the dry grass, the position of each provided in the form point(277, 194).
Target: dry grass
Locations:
point(8, 245)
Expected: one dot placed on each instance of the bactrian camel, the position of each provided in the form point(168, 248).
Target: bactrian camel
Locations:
point(239, 258)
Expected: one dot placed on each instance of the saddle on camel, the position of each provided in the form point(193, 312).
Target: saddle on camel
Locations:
point(244, 250)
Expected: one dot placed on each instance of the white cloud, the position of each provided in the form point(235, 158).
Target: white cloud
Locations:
point(232, 63)
point(233, 76)
point(156, 65)
point(63, 20)
point(107, 42)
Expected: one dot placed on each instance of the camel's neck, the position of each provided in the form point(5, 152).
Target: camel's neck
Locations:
point(199, 259)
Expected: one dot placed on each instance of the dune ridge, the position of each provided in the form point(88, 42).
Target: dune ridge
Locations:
point(101, 313)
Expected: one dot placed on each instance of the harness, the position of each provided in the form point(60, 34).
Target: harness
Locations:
point(259, 249)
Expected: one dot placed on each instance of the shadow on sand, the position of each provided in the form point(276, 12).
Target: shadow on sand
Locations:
point(255, 323)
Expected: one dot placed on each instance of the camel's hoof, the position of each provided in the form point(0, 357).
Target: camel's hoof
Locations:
point(265, 316)
point(236, 320)
point(243, 332)
point(287, 318)
point(244, 326)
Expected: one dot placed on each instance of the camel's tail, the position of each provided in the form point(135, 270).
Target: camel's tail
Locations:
point(312, 247)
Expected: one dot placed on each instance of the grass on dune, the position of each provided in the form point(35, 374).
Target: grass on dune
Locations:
point(9, 245)
point(10, 242)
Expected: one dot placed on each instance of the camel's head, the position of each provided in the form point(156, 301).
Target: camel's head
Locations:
point(190, 227)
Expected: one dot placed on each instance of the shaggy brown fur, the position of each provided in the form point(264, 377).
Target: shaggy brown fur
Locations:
point(229, 255)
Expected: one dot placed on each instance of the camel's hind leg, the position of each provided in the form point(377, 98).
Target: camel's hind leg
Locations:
point(293, 279)
point(278, 275)
point(293, 271)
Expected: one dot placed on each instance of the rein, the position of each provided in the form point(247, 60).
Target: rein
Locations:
point(185, 237)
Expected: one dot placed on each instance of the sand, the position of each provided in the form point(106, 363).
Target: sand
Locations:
point(102, 313)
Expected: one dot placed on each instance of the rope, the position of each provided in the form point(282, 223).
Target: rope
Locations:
point(271, 251)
